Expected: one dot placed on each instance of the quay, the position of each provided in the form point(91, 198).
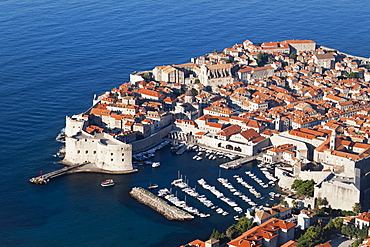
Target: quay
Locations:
point(241, 161)
point(159, 205)
point(44, 179)
point(83, 167)
point(181, 150)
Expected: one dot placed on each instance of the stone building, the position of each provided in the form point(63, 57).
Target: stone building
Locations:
point(326, 60)
point(363, 220)
point(181, 73)
point(217, 74)
point(169, 73)
point(250, 73)
point(277, 154)
point(101, 149)
point(301, 45)
point(188, 107)
point(247, 142)
point(306, 218)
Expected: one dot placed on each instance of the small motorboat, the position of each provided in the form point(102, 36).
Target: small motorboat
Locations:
point(154, 186)
point(108, 182)
point(156, 164)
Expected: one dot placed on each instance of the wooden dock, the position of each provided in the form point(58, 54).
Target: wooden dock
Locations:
point(44, 179)
point(241, 161)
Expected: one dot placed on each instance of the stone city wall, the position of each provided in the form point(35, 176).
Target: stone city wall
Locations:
point(151, 141)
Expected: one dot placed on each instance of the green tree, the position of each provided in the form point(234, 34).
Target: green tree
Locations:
point(284, 203)
point(337, 222)
point(261, 59)
point(311, 237)
point(270, 60)
point(350, 75)
point(243, 225)
point(357, 242)
point(147, 76)
point(293, 55)
point(350, 231)
point(215, 234)
point(196, 81)
point(356, 208)
point(195, 92)
point(304, 187)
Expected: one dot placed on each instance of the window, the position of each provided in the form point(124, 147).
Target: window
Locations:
point(78, 151)
point(123, 159)
point(111, 159)
point(87, 151)
point(111, 153)
point(94, 152)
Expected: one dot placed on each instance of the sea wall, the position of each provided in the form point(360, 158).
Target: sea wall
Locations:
point(151, 141)
point(362, 59)
point(159, 205)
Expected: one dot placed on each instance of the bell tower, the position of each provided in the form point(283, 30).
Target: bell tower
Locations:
point(333, 139)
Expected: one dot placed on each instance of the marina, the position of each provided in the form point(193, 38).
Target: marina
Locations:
point(253, 186)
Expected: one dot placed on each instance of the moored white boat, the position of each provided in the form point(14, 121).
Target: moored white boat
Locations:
point(156, 164)
point(153, 186)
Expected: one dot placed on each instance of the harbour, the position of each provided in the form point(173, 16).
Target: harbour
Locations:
point(56, 55)
point(203, 189)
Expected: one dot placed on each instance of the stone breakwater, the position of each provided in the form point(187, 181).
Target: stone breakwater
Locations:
point(159, 205)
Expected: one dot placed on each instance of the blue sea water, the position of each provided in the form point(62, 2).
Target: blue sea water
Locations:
point(54, 55)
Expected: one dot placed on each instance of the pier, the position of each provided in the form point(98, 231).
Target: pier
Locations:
point(44, 179)
point(241, 161)
point(159, 205)
point(181, 150)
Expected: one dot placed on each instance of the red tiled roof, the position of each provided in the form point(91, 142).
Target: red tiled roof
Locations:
point(149, 92)
point(365, 216)
point(266, 230)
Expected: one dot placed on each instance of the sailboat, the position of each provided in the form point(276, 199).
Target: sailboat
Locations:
point(154, 186)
